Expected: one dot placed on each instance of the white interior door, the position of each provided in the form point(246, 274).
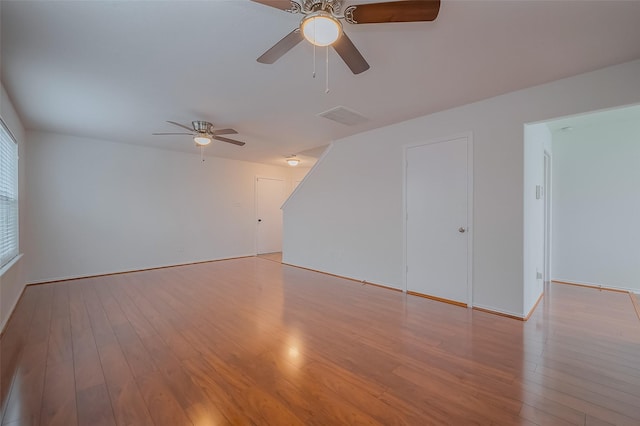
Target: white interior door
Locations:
point(270, 195)
point(437, 220)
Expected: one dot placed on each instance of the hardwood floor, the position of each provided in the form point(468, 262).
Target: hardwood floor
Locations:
point(635, 298)
point(251, 341)
point(275, 256)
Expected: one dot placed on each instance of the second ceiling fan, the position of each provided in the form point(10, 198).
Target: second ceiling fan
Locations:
point(321, 24)
point(204, 132)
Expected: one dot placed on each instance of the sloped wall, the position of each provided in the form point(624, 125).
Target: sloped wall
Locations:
point(347, 217)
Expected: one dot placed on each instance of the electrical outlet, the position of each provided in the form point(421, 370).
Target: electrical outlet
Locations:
point(538, 275)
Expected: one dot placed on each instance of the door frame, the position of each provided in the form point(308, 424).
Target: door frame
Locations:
point(255, 205)
point(405, 160)
point(548, 170)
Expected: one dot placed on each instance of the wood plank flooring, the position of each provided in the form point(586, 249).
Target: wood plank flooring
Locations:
point(253, 342)
point(275, 256)
point(635, 298)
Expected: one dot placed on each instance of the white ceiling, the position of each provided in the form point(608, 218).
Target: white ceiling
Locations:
point(118, 69)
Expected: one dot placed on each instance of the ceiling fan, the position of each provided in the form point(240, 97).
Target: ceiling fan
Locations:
point(203, 132)
point(321, 24)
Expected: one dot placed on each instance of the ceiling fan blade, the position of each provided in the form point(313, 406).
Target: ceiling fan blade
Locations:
point(180, 125)
point(350, 54)
point(393, 11)
point(190, 134)
point(286, 5)
point(224, 132)
point(287, 43)
point(220, 138)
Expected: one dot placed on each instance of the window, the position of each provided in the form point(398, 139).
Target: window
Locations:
point(8, 196)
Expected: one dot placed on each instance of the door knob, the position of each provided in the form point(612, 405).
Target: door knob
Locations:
point(461, 230)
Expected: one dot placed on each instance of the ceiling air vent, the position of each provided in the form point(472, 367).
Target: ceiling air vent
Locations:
point(344, 116)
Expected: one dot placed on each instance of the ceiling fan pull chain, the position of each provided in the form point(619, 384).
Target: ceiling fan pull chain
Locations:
point(327, 72)
point(202, 153)
point(314, 52)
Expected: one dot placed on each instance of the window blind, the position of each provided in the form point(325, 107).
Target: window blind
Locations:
point(8, 196)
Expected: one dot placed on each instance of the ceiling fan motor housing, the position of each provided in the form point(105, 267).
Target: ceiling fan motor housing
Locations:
point(201, 126)
point(324, 28)
point(331, 6)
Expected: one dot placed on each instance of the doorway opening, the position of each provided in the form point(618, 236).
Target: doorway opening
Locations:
point(587, 165)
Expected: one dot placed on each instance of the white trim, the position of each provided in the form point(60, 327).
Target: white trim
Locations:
point(580, 114)
point(470, 218)
point(594, 285)
point(4, 270)
point(10, 264)
point(500, 311)
point(5, 126)
point(405, 160)
point(469, 137)
point(5, 321)
point(309, 173)
point(140, 269)
point(548, 215)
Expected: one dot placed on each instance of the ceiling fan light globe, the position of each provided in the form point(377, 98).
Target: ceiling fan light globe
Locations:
point(292, 161)
point(321, 28)
point(202, 140)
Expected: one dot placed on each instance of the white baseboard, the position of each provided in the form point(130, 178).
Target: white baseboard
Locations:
point(126, 271)
point(499, 311)
point(595, 285)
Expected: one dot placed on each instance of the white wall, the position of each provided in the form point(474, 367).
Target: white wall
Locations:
point(536, 138)
point(12, 279)
point(327, 222)
point(98, 207)
point(297, 175)
point(596, 205)
point(347, 217)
